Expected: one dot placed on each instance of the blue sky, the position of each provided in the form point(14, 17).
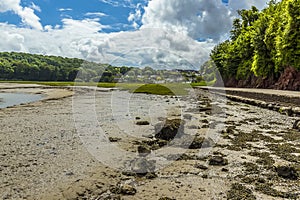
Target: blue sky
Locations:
point(115, 13)
point(53, 11)
point(129, 32)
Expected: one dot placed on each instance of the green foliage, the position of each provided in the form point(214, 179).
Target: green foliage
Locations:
point(262, 43)
point(29, 67)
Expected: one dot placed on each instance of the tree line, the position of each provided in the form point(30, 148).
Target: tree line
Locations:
point(32, 67)
point(262, 44)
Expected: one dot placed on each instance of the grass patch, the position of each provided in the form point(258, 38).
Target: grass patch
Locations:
point(177, 89)
point(165, 89)
point(202, 83)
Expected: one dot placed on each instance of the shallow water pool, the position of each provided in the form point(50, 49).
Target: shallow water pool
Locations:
point(12, 99)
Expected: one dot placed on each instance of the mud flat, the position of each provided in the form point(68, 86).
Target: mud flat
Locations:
point(223, 150)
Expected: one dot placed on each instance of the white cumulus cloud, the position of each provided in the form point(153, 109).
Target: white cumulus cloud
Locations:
point(200, 19)
point(29, 18)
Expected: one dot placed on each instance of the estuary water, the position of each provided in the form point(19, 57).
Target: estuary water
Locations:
point(12, 99)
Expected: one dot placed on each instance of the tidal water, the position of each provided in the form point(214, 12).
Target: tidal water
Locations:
point(12, 99)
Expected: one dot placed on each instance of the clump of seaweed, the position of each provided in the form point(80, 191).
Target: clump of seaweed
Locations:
point(266, 188)
point(240, 192)
point(285, 151)
point(264, 158)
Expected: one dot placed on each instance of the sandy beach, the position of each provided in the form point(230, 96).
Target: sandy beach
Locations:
point(49, 149)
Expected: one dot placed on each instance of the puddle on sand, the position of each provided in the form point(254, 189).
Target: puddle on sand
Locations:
point(12, 99)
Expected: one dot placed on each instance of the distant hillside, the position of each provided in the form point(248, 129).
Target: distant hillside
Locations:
point(264, 48)
point(23, 66)
point(31, 67)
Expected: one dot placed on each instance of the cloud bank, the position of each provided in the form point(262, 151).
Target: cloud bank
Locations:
point(173, 34)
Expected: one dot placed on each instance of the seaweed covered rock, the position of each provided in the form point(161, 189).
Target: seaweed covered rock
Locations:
point(143, 150)
point(296, 124)
point(142, 123)
point(201, 142)
point(124, 189)
point(218, 161)
point(169, 129)
point(287, 172)
point(240, 192)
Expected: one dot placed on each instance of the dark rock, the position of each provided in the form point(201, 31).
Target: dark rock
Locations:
point(114, 139)
point(205, 126)
point(296, 124)
point(162, 143)
point(205, 121)
point(218, 161)
point(204, 176)
point(127, 189)
point(204, 109)
point(199, 166)
point(169, 129)
point(224, 170)
point(287, 172)
point(142, 123)
point(197, 143)
point(201, 142)
point(166, 198)
point(143, 150)
point(150, 175)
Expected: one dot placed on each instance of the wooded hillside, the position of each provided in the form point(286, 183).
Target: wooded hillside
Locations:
point(264, 48)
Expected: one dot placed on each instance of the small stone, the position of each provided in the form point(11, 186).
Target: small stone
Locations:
point(114, 139)
point(166, 198)
point(142, 123)
point(287, 172)
point(205, 121)
point(200, 166)
point(151, 175)
point(169, 129)
point(201, 142)
point(296, 124)
point(128, 190)
point(224, 170)
point(69, 173)
point(218, 161)
point(143, 150)
point(197, 143)
point(205, 176)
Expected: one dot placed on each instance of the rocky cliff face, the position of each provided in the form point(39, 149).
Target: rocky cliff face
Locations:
point(288, 80)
